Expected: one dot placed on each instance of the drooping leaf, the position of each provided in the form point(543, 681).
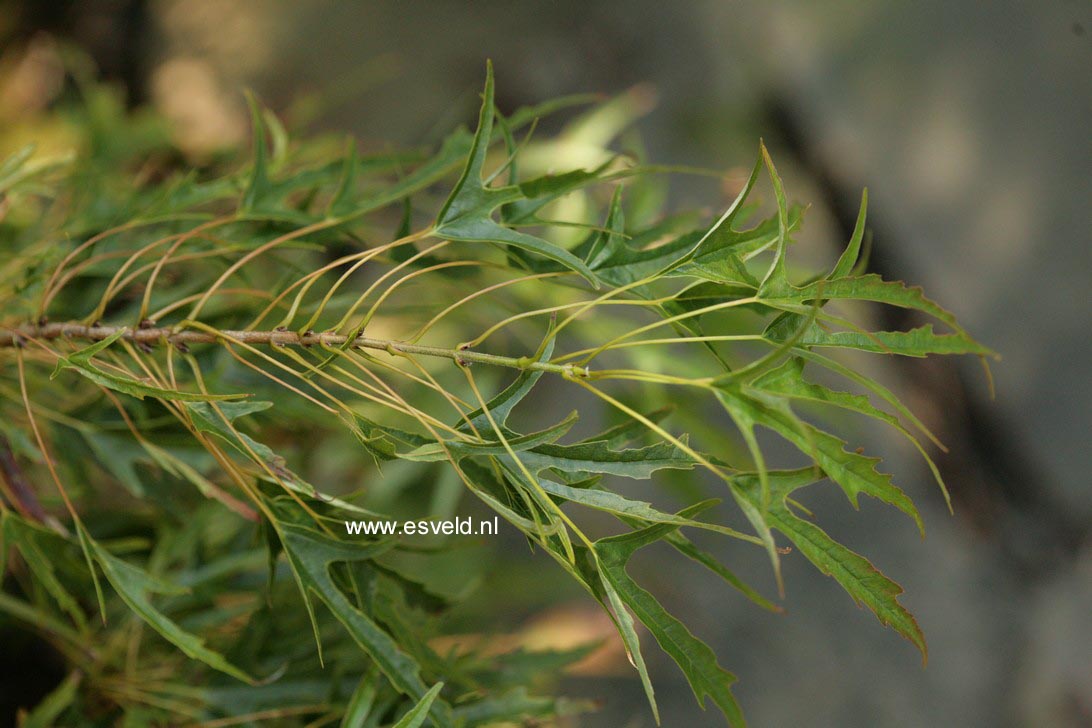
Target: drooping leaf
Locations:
point(695, 658)
point(312, 555)
point(42, 550)
point(686, 547)
point(70, 233)
point(219, 418)
point(855, 473)
point(857, 576)
point(789, 380)
point(871, 385)
point(135, 586)
point(624, 621)
point(218, 421)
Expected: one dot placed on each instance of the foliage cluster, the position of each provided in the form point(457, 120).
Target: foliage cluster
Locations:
point(194, 361)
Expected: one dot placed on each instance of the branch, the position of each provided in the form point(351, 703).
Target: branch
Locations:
point(183, 338)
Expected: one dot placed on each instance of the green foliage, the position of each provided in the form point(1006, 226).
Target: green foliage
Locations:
point(251, 353)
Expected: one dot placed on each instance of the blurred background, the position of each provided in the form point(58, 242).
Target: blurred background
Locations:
point(970, 125)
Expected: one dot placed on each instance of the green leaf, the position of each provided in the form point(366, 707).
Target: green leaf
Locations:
point(869, 288)
point(278, 138)
point(467, 213)
point(179, 468)
point(919, 342)
point(417, 714)
point(119, 456)
point(14, 162)
point(858, 577)
point(60, 699)
point(501, 406)
point(258, 187)
point(219, 421)
point(341, 203)
point(541, 191)
point(855, 473)
point(788, 380)
point(777, 277)
point(435, 451)
point(626, 627)
point(873, 386)
point(684, 546)
point(17, 167)
point(134, 586)
point(311, 555)
point(695, 658)
point(626, 432)
point(20, 442)
point(454, 149)
point(383, 442)
point(605, 500)
point(349, 204)
point(717, 255)
point(598, 457)
point(718, 238)
point(501, 495)
point(362, 700)
point(42, 550)
point(513, 707)
point(69, 234)
point(483, 229)
point(848, 260)
point(82, 362)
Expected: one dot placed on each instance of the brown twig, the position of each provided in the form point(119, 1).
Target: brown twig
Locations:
point(18, 487)
point(151, 335)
